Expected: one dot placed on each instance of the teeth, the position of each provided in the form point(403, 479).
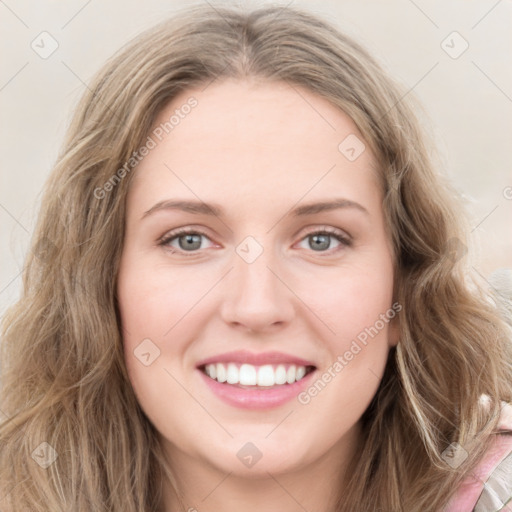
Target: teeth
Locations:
point(290, 375)
point(266, 376)
point(220, 369)
point(249, 375)
point(280, 374)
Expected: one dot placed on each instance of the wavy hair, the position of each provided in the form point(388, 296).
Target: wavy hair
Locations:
point(64, 380)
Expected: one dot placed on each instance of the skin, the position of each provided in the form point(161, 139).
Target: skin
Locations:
point(258, 150)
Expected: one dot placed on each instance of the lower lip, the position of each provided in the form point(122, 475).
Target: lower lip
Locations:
point(257, 398)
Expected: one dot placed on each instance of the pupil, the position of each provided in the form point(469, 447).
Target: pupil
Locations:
point(190, 239)
point(323, 244)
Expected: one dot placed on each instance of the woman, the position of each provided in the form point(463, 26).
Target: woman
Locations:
point(247, 290)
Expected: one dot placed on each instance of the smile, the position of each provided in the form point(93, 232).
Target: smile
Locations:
point(248, 380)
point(264, 376)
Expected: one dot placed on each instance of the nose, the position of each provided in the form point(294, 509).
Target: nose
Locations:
point(255, 296)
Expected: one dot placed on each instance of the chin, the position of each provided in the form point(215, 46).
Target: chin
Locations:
point(255, 457)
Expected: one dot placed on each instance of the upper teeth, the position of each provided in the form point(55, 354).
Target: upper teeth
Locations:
point(249, 375)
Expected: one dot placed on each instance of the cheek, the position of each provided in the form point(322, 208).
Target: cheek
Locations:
point(153, 300)
point(350, 300)
point(158, 310)
point(149, 308)
point(357, 305)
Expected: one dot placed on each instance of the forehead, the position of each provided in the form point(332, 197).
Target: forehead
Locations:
point(246, 137)
point(269, 114)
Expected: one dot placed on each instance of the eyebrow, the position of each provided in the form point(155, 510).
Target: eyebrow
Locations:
point(201, 208)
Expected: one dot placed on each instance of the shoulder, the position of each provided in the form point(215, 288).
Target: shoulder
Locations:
point(489, 489)
point(497, 491)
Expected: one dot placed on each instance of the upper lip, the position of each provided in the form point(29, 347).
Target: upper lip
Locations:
point(244, 356)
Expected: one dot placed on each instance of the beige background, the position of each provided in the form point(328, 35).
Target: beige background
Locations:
point(468, 99)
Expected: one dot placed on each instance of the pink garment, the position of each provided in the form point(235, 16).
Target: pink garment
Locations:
point(469, 492)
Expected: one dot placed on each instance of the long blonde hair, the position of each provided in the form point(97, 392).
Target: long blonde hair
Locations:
point(64, 381)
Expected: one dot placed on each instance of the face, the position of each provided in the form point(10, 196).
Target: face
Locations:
point(281, 289)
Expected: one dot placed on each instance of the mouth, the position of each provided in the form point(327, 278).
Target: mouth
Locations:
point(249, 376)
point(249, 380)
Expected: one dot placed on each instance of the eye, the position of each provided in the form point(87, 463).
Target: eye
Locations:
point(188, 240)
point(321, 241)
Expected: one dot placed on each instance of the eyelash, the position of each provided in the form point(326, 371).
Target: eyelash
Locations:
point(168, 237)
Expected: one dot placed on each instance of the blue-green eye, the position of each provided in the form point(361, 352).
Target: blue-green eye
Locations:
point(189, 241)
point(321, 241)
